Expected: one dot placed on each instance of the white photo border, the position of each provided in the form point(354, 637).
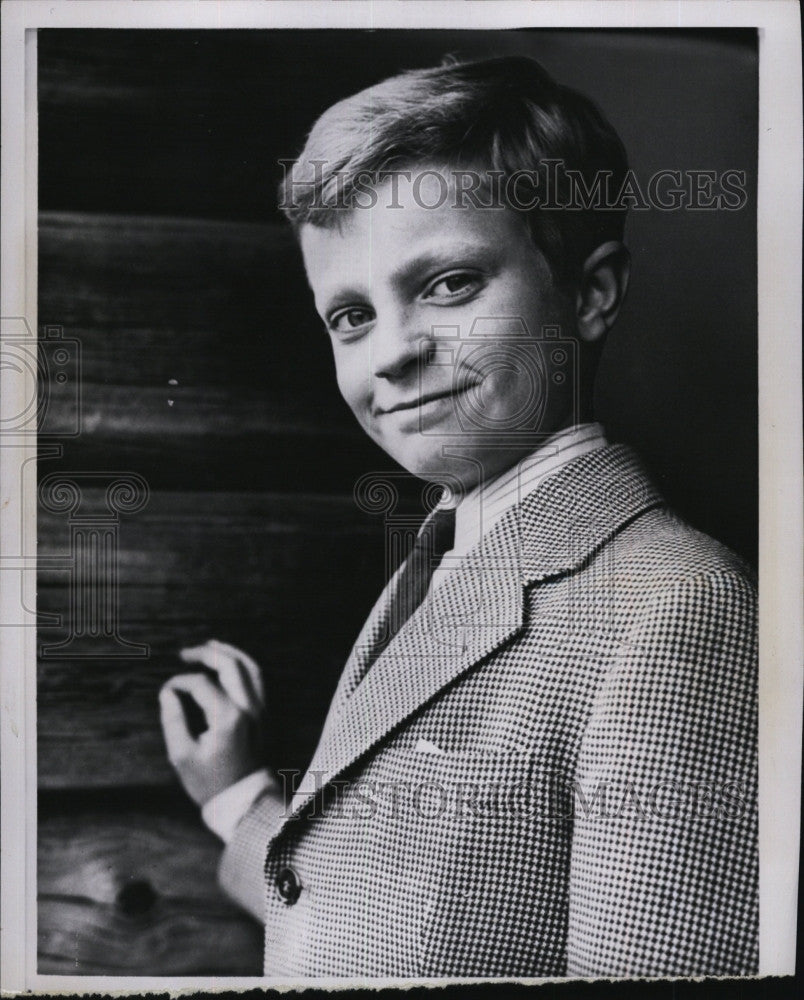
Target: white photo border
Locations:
point(781, 573)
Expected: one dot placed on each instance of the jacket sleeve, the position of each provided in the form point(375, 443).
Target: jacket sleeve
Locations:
point(242, 866)
point(664, 860)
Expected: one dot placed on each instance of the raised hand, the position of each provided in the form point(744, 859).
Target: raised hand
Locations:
point(233, 703)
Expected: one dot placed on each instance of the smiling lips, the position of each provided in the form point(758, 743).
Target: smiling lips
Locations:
point(430, 397)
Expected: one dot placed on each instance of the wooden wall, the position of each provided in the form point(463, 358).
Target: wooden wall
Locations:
point(205, 372)
point(239, 539)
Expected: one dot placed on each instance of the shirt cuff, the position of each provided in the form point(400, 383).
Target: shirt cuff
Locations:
point(224, 811)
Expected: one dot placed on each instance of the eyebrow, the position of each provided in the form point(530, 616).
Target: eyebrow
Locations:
point(411, 271)
point(455, 254)
point(343, 297)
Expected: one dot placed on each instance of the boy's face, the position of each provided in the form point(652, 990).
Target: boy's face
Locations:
point(397, 284)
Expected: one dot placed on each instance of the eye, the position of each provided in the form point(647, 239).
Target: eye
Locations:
point(453, 285)
point(351, 319)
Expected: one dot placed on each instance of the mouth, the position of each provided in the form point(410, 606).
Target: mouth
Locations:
point(429, 397)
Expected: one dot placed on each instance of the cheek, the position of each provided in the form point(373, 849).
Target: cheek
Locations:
point(349, 374)
point(508, 391)
point(511, 367)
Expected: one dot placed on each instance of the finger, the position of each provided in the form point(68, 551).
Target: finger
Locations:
point(236, 677)
point(249, 667)
point(198, 654)
point(174, 724)
point(205, 692)
point(228, 673)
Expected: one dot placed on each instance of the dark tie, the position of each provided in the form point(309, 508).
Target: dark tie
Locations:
point(437, 536)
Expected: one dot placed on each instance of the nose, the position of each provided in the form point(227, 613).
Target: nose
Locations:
point(397, 344)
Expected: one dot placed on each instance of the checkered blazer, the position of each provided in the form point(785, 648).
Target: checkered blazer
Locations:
point(550, 770)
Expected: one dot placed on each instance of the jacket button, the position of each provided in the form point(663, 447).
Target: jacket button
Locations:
point(288, 885)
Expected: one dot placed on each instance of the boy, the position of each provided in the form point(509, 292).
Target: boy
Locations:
point(540, 758)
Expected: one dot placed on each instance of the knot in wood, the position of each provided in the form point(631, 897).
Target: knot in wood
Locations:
point(136, 898)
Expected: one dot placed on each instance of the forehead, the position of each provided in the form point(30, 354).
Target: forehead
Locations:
point(409, 220)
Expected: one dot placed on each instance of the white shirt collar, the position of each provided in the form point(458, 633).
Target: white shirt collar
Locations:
point(483, 506)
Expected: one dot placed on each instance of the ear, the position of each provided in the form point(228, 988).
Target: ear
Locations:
point(603, 284)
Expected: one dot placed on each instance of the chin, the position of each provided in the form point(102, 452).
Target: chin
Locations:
point(422, 458)
point(426, 460)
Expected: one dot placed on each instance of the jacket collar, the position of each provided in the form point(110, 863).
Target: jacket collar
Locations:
point(479, 605)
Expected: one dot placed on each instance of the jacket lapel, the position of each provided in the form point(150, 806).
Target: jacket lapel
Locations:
point(479, 605)
point(356, 665)
point(473, 611)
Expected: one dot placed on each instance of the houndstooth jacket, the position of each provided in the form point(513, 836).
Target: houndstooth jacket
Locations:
point(549, 771)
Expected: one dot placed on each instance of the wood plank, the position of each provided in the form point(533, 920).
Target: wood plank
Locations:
point(155, 290)
point(123, 412)
point(203, 302)
point(265, 619)
point(133, 892)
point(228, 541)
point(208, 460)
point(163, 616)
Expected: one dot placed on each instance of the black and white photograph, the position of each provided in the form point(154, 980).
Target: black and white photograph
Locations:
point(403, 551)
